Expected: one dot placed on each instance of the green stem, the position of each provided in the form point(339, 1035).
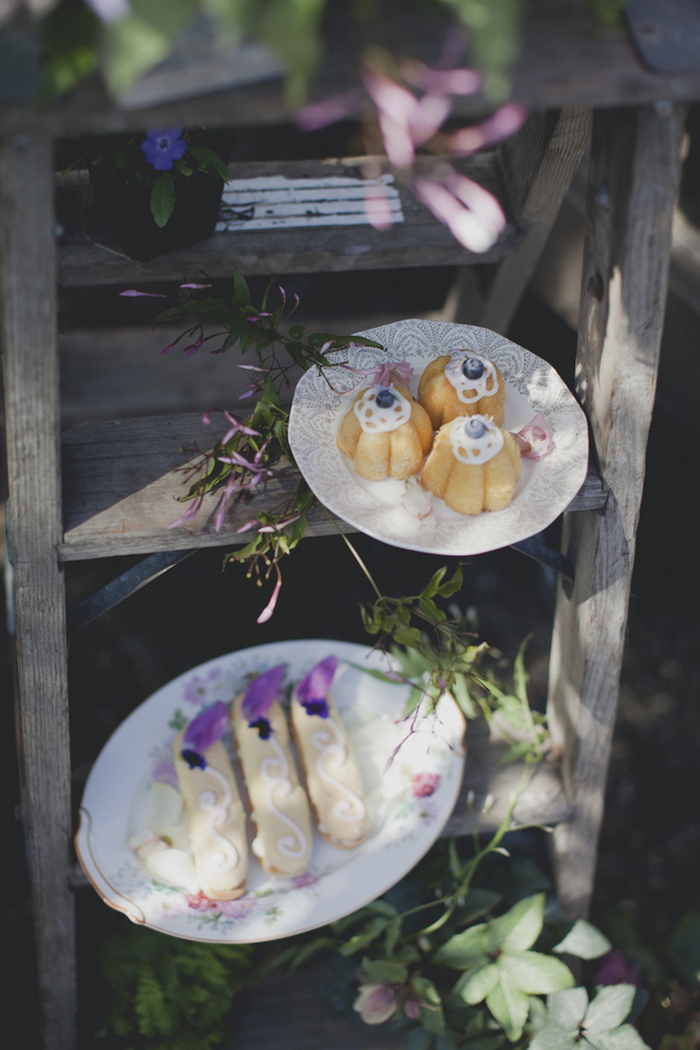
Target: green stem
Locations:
point(356, 556)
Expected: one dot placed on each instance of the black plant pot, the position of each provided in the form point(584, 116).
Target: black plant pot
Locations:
point(123, 197)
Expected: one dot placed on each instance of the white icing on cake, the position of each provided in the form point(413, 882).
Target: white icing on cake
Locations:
point(377, 420)
point(468, 448)
point(333, 756)
point(296, 844)
point(470, 391)
point(217, 862)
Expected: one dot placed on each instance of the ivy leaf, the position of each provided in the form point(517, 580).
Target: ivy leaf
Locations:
point(585, 941)
point(163, 199)
point(610, 1008)
point(536, 973)
point(509, 1005)
point(520, 927)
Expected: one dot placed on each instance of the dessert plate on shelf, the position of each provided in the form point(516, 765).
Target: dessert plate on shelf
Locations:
point(408, 803)
point(376, 508)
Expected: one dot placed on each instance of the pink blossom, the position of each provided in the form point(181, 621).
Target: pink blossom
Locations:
point(535, 438)
point(412, 1009)
point(195, 286)
point(376, 1002)
point(473, 225)
point(131, 293)
point(424, 784)
point(267, 612)
point(377, 207)
point(336, 107)
point(200, 902)
point(504, 122)
point(194, 347)
point(307, 879)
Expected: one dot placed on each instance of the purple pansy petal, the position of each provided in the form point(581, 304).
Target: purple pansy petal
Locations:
point(316, 707)
point(314, 686)
point(207, 727)
point(261, 693)
point(193, 758)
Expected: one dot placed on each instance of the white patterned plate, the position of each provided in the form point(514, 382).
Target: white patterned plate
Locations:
point(408, 805)
point(545, 488)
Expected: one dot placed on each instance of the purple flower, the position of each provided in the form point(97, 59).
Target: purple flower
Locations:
point(263, 727)
point(237, 909)
point(261, 693)
point(313, 688)
point(535, 439)
point(616, 970)
point(376, 1002)
point(163, 146)
point(131, 293)
point(207, 727)
point(300, 882)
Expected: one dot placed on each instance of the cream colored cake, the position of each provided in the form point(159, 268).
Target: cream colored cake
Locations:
point(215, 819)
point(462, 383)
point(385, 433)
point(473, 465)
point(332, 777)
point(279, 806)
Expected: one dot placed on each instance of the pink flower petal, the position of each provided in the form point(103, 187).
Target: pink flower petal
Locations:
point(504, 122)
point(378, 209)
point(191, 285)
point(321, 114)
point(463, 224)
point(131, 293)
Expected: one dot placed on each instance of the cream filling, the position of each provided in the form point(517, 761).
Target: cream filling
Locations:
point(294, 845)
point(475, 450)
point(218, 862)
point(376, 420)
point(470, 391)
point(333, 754)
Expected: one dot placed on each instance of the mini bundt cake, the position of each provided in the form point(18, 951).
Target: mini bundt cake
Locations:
point(462, 383)
point(385, 432)
point(474, 465)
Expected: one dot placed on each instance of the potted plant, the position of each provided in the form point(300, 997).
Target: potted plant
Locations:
point(161, 191)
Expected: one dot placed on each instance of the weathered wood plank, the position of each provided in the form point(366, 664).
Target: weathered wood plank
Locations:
point(564, 61)
point(27, 290)
point(419, 240)
point(634, 176)
point(123, 478)
point(536, 214)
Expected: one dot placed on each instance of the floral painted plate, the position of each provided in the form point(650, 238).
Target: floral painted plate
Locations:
point(377, 508)
point(408, 803)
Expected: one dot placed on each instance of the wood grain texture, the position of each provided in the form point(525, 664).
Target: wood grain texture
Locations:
point(420, 240)
point(27, 285)
point(564, 61)
point(123, 478)
point(537, 210)
point(634, 176)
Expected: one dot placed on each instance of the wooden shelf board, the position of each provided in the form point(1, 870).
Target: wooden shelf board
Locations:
point(420, 240)
point(564, 60)
point(122, 480)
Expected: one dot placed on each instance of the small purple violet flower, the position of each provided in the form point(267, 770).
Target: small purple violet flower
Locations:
point(202, 732)
point(260, 695)
point(313, 688)
point(163, 146)
point(193, 758)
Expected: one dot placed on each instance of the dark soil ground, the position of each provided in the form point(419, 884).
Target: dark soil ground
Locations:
point(650, 846)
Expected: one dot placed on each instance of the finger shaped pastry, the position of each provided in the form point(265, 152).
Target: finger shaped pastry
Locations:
point(462, 383)
point(279, 806)
point(215, 814)
point(385, 432)
point(332, 777)
point(474, 465)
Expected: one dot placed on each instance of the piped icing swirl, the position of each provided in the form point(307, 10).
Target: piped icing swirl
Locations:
point(381, 409)
point(471, 375)
point(330, 743)
point(296, 844)
point(475, 439)
point(217, 861)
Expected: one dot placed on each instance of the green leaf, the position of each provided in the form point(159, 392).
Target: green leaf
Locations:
point(208, 159)
point(585, 941)
point(519, 928)
point(568, 1008)
point(393, 932)
point(451, 587)
point(241, 292)
point(479, 984)
point(163, 199)
point(552, 1037)
point(536, 973)
point(685, 946)
point(509, 1006)
point(623, 1038)
point(297, 331)
point(382, 970)
point(465, 949)
point(609, 1009)
point(360, 940)
point(431, 1015)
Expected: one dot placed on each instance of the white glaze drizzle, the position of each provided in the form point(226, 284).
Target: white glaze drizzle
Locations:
point(220, 861)
point(334, 753)
point(376, 420)
point(288, 846)
point(470, 391)
point(475, 450)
